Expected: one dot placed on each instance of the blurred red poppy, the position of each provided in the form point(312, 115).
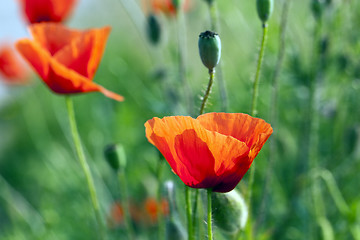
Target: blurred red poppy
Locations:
point(152, 208)
point(66, 59)
point(11, 67)
point(38, 11)
point(214, 150)
point(166, 6)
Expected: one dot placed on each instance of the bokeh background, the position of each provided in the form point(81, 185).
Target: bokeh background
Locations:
point(43, 192)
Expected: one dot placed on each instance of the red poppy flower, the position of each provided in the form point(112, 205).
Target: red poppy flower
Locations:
point(66, 59)
point(214, 150)
point(47, 10)
point(11, 68)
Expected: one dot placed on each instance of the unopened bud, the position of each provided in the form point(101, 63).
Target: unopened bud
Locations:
point(264, 9)
point(229, 211)
point(177, 4)
point(115, 156)
point(209, 49)
point(153, 29)
point(317, 8)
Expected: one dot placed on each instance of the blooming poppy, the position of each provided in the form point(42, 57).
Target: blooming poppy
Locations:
point(66, 59)
point(215, 150)
point(11, 67)
point(37, 11)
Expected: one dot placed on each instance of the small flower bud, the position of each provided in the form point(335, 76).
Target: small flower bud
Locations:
point(115, 156)
point(177, 4)
point(209, 49)
point(264, 9)
point(229, 211)
point(209, 1)
point(317, 8)
point(153, 29)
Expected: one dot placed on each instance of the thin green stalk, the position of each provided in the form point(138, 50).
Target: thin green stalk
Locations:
point(274, 111)
point(188, 214)
point(181, 35)
point(210, 235)
point(161, 220)
point(125, 204)
point(254, 106)
point(257, 75)
point(214, 22)
point(208, 90)
point(84, 165)
point(195, 219)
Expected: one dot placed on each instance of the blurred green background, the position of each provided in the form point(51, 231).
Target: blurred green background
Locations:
point(43, 192)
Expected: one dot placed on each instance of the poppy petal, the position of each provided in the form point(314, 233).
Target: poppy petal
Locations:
point(84, 53)
point(66, 81)
point(53, 36)
point(36, 56)
point(253, 131)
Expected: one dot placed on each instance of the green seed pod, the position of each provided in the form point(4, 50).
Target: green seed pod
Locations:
point(229, 211)
point(115, 156)
point(209, 49)
point(153, 29)
point(264, 9)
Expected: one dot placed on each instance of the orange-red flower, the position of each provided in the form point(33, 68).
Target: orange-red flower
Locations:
point(166, 6)
point(66, 59)
point(47, 10)
point(153, 208)
point(214, 150)
point(11, 68)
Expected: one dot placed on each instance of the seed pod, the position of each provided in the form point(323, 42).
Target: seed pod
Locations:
point(153, 29)
point(209, 49)
point(115, 156)
point(264, 9)
point(229, 211)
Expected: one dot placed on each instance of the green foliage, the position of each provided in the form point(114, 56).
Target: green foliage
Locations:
point(43, 192)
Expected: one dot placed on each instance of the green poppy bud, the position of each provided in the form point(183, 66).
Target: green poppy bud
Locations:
point(229, 211)
point(177, 4)
point(153, 29)
point(264, 9)
point(209, 1)
point(209, 49)
point(317, 8)
point(115, 156)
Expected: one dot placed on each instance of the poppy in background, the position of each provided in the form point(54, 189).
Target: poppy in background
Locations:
point(166, 6)
point(37, 11)
point(213, 151)
point(152, 208)
point(12, 69)
point(66, 59)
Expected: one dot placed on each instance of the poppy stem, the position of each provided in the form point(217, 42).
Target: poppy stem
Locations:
point(84, 165)
point(210, 236)
point(254, 106)
point(214, 22)
point(125, 203)
point(274, 113)
point(208, 90)
point(188, 213)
